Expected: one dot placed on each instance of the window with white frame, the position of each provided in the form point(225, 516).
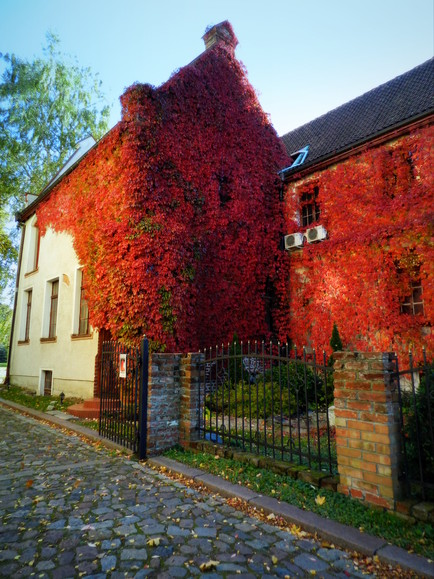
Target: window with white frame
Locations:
point(33, 247)
point(46, 383)
point(413, 304)
point(81, 326)
point(49, 329)
point(25, 316)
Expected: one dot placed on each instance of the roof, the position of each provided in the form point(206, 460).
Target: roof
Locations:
point(400, 101)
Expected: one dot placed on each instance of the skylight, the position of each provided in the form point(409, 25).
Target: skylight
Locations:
point(299, 156)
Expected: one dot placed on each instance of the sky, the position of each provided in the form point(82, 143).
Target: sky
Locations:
point(304, 58)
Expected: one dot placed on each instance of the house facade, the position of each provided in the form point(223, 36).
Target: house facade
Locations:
point(171, 220)
point(173, 226)
point(53, 345)
point(359, 215)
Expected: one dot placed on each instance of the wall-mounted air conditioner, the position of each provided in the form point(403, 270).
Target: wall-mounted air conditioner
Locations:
point(293, 240)
point(317, 233)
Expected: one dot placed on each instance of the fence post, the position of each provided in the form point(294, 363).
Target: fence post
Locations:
point(367, 427)
point(190, 410)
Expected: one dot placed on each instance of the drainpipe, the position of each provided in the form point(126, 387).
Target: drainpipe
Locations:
point(17, 283)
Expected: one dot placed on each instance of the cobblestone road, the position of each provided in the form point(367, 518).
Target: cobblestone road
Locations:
point(68, 509)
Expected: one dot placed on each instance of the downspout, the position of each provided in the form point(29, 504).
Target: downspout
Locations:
point(17, 283)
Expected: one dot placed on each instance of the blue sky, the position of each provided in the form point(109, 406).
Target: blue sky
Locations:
point(304, 58)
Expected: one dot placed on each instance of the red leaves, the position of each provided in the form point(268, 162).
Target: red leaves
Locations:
point(176, 215)
point(376, 208)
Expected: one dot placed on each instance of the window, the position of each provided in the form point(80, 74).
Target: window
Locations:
point(413, 303)
point(53, 309)
point(299, 156)
point(34, 242)
point(80, 316)
point(83, 321)
point(47, 382)
point(310, 211)
point(28, 311)
point(24, 332)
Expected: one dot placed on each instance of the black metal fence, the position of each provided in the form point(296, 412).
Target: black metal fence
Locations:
point(124, 389)
point(415, 389)
point(269, 400)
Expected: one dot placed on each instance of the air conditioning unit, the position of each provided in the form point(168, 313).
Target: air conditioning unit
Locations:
point(317, 233)
point(293, 240)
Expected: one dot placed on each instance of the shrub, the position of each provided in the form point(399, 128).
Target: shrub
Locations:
point(418, 413)
point(280, 390)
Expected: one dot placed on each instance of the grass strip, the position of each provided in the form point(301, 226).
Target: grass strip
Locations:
point(31, 400)
point(417, 537)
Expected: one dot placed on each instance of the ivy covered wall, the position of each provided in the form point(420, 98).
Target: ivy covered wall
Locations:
point(175, 213)
point(377, 207)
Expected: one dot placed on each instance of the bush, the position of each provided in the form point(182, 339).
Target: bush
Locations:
point(418, 413)
point(3, 353)
point(266, 397)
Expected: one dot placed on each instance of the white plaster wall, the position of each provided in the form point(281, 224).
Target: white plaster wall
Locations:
point(72, 361)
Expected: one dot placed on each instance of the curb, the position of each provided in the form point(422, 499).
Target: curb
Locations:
point(338, 533)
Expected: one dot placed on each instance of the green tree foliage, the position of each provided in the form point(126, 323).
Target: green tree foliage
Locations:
point(8, 252)
point(335, 341)
point(46, 107)
point(5, 329)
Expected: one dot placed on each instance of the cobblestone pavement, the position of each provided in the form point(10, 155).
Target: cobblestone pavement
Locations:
point(69, 509)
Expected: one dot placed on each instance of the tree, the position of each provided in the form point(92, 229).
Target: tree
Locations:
point(5, 329)
point(46, 107)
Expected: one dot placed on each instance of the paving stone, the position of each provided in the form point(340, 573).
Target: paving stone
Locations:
point(309, 562)
point(101, 527)
point(134, 555)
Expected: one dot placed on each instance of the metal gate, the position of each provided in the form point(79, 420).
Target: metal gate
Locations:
point(124, 395)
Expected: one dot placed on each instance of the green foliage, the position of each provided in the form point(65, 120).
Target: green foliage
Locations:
point(418, 413)
point(418, 537)
point(5, 328)
point(281, 390)
point(31, 400)
point(335, 341)
point(47, 106)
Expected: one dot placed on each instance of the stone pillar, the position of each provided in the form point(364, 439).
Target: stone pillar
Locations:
point(164, 393)
point(367, 427)
point(191, 401)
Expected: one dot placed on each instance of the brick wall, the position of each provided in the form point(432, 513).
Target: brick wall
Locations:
point(367, 436)
point(164, 398)
point(190, 402)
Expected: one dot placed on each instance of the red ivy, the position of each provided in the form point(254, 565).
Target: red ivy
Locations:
point(378, 211)
point(175, 214)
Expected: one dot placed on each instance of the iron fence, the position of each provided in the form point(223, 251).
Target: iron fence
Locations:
point(124, 388)
point(415, 390)
point(269, 400)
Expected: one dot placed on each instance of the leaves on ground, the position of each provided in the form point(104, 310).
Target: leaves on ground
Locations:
point(209, 565)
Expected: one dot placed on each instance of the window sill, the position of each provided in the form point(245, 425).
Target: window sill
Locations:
point(48, 340)
point(81, 336)
point(23, 342)
point(27, 274)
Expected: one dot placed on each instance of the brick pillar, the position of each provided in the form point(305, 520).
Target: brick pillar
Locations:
point(367, 422)
point(164, 393)
point(190, 399)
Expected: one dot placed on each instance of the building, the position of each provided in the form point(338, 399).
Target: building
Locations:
point(359, 215)
point(167, 227)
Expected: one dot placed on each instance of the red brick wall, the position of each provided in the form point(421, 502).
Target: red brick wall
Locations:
point(367, 419)
point(163, 402)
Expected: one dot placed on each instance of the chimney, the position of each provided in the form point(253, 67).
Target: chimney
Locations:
point(222, 34)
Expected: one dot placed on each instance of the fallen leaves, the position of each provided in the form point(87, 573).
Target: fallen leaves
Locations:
point(320, 500)
point(153, 542)
point(209, 565)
